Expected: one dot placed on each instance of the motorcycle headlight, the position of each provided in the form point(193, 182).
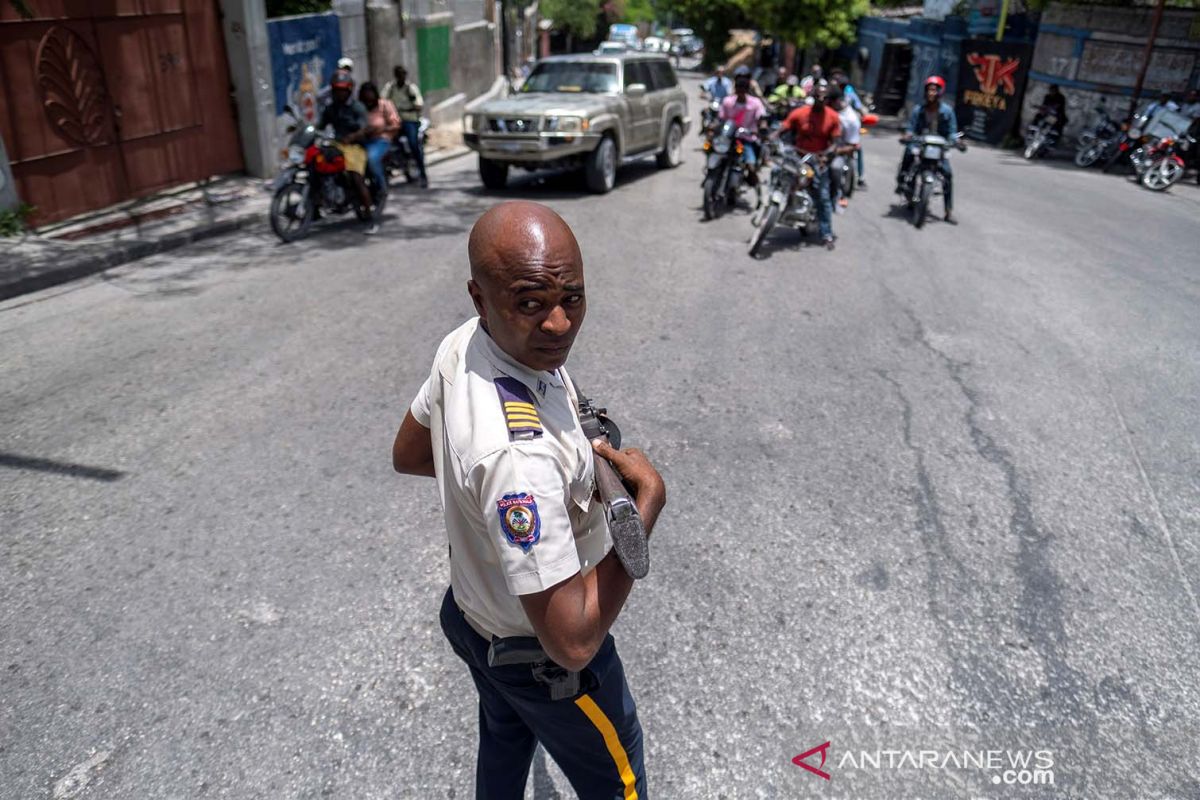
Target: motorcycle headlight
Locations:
point(469, 123)
point(721, 144)
point(295, 154)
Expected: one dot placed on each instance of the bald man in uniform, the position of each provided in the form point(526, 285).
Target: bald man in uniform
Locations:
point(531, 566)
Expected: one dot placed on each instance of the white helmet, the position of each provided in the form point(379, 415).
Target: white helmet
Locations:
point(346, 63)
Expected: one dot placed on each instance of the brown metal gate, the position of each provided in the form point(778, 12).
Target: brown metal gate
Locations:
point(106, 100)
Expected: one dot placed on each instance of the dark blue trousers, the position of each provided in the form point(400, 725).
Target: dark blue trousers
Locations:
point(595, 737)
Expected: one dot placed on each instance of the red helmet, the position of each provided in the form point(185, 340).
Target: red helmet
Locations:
point(936, 80)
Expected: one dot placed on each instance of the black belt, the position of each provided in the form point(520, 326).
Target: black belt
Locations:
point(514, 650)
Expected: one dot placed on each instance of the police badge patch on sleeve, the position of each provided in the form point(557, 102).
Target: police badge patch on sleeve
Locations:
point(519, 519)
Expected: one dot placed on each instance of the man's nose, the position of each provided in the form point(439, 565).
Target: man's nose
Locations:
point(556, 323)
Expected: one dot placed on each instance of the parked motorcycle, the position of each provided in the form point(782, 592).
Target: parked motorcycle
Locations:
point(315, 181)
point(1041, 135)
point(400, 159)
point(1097, 143)
point(923, 178)
point(1166, 162)
point(791, 194)
point(1129, 145)
point(724, 171)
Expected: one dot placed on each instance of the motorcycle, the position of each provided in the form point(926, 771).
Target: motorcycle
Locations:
point(400, 159)
point(1096, 144)
point(1041, 135)
point(1166, 162)
point(724, 171)
point(314, 181)
point(708, 118)
point(791, 194)
point(1130, 145)
point(924, 177)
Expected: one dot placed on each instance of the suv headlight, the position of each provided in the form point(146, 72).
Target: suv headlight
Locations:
point(566, 124)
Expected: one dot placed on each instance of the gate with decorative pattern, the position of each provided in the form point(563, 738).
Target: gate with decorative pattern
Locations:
point(107, 100)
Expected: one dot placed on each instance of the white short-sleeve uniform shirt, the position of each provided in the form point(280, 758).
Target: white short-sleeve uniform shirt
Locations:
point(515, 474)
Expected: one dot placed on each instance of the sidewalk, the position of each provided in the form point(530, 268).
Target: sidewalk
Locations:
point(94, 242)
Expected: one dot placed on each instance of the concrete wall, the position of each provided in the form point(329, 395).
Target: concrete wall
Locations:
point(473, 64)
point(244, 23)
point(352, 17)
point(1095, 52)
point(387, 45)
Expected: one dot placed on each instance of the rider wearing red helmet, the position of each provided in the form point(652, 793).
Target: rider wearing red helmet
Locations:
point(934, 116)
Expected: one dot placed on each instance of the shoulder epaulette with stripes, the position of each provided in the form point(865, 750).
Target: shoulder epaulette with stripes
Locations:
point(520, 414)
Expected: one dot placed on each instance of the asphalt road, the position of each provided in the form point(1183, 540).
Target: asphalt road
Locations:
point(936, 491)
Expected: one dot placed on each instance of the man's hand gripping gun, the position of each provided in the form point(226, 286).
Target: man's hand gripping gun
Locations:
point(624, 521)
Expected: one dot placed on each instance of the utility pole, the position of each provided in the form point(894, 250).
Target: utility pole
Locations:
point(504, 51)
point(1141, 78)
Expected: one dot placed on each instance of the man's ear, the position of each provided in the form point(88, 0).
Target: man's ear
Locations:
point(477, 298)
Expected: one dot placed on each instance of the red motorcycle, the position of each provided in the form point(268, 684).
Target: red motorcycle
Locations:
point(1166, 161)
point(315, 182)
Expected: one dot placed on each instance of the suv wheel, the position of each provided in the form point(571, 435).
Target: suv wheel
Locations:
point(600, 171)
point(672, 154)
point(493, 174)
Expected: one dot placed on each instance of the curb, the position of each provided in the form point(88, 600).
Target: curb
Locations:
point(123, 254)
point(118, 255)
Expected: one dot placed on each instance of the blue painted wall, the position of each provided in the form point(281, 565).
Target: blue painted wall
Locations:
point(937, 46)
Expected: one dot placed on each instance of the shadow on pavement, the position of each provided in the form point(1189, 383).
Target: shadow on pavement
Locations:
point(14, 461)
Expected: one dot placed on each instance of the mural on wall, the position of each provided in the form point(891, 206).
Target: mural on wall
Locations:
point(304, 52)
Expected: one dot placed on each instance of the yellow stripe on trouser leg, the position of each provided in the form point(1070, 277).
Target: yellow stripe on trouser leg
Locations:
point(612, 742)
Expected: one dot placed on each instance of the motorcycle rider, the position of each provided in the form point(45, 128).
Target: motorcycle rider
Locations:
point(406, 97)
point(849, 143)
point(745, 110)
point(384, 122)
point(934, 116)
point(809, 81)
point(718, 87)
point(1055, 102)
point(815, 129)
point(785, 94)
point(348, 118)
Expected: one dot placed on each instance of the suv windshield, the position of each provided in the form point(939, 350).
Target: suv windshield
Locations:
point(571, 76)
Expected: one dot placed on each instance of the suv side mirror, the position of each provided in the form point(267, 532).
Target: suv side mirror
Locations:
point(635, 89)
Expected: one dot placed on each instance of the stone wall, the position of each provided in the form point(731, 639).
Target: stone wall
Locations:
point(1095, 52)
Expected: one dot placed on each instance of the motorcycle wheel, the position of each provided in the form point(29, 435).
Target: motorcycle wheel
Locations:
point(286, 223)
point(712, 198)
point(764, 227)
point(1162, 174)
point(1033, 147)
point(851, 181)
point(921, 206)
point(1088, 154)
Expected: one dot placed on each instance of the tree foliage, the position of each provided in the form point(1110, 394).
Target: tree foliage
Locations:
point(288, 8)
point(825, 23)
point(711, 20)
point(576, 16)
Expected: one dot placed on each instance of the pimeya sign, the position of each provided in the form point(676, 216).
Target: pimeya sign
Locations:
point(991, 81)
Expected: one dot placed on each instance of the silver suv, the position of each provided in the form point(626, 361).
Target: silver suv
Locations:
point(589, 111)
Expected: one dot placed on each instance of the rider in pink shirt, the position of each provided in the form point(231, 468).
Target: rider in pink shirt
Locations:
point(745, 110)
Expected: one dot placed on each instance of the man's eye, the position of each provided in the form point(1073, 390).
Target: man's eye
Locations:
point(529, 305)
point(573, 300)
